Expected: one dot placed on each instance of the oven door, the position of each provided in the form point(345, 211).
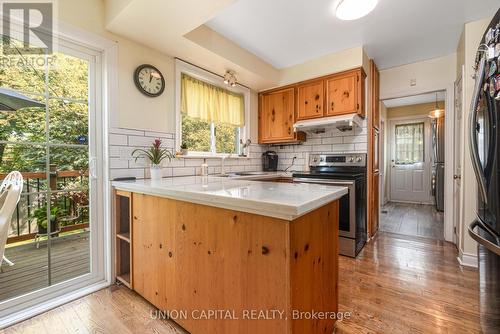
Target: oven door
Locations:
point(347, 204)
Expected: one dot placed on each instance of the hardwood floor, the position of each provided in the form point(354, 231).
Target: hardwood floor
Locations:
point(412, 219)
point(403, 284)
point(398, 284)
point(112, 310)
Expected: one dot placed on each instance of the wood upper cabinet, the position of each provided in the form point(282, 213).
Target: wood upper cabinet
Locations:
point(332, 95)
point(345, 93)
point(310, 100)
point(277, 116)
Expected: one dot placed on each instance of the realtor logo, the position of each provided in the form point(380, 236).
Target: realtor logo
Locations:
point(27, 28)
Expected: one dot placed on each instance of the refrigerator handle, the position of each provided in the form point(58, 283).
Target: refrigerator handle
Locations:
point(476, 163)
point(495, 248)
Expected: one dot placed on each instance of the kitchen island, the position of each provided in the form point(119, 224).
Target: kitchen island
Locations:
point(231, 256)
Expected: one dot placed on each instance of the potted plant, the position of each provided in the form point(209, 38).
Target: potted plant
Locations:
point(155, 154)
point(41, 218)
point(184, 149)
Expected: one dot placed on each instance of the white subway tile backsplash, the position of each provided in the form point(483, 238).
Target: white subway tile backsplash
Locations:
point(122, 131)
point(354, 139)
point(183, 171)
point(332, 140)
point(123, 141)
point(342, 148)
point(362, 147)
point(140, 141)
point(115, 139)
point(138, 173)
point(117, 163)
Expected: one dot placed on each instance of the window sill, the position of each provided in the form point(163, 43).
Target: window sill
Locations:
point(211, 156)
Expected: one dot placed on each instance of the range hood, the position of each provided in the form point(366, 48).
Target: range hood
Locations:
point(321, 125)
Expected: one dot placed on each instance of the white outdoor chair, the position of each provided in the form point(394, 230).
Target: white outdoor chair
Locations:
point(10, 192)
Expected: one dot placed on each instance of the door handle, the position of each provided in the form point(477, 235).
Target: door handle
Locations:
point(457, 177)
point(482, 241)
point(93, 168)
point(476, 164)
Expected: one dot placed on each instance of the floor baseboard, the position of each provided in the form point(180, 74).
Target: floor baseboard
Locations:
point(468, 260)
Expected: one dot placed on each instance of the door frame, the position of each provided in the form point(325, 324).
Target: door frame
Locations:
point(458, 148)
point(427, 150)
point(106, 99)
point(449, 90)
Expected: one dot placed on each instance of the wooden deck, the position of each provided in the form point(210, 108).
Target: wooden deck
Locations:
point(69, 258)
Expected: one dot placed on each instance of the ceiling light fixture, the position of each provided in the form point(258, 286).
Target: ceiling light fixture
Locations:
point(230, 78)
point(436, 112)
point(354, 9)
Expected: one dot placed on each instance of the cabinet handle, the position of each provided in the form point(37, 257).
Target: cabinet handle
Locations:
point(289, 130)
point(333, 106)
point(272, 115)
point(316, 97)
point(346, 94)
point(305, 102)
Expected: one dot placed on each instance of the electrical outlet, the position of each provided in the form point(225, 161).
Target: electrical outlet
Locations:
point(413, 82)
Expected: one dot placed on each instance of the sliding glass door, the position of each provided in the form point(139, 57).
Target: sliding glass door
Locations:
point(52, 238)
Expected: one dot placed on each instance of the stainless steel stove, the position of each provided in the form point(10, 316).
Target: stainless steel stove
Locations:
point(348, 170)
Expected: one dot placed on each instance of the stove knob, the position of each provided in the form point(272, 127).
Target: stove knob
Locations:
point(351, 159)
point(359, 159)
point(315, 159)
point(321, 159)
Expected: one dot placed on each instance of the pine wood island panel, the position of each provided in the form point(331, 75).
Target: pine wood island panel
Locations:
point(191, 260)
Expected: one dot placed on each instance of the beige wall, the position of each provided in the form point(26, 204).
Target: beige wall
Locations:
point(135, 111)
point(328, 64)
point(412, 110)
point(466, 54)
point(430, 75)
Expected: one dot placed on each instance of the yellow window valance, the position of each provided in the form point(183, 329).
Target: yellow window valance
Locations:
point(210, 103)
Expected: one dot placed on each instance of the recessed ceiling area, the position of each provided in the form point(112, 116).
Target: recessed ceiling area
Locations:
point(415, 99)
point(289, 32)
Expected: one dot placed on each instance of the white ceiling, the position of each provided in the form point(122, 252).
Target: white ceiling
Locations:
point(397, 32)
point(415, 99)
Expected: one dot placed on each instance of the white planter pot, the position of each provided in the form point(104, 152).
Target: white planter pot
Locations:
point(156, 172)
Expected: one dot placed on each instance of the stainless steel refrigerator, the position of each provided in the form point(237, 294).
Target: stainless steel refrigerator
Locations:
point(438, 162)
point(484, 144)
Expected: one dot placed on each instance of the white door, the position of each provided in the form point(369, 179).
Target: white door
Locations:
point(411, 161)
point(457, 156)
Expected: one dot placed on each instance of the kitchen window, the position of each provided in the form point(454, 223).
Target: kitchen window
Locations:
point(212, 118)
point(409, 143)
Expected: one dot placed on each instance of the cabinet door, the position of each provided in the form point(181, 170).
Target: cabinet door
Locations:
point(342, 94)
point(148, 248)
point(375, 94)
point(276, 116)
point(310, 100)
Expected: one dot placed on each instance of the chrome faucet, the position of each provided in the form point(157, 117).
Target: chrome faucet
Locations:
point(244, 146)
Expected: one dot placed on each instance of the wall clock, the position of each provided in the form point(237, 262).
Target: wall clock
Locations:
point(149, 80)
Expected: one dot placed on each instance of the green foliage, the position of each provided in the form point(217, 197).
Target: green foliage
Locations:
point(68, 113)
point(196, 136)
point(155, 154)
point(40, 215)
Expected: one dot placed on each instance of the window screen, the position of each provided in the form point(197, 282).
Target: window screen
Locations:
point(409, 143)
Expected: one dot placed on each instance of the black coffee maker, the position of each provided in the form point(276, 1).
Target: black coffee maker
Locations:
point(269, 161)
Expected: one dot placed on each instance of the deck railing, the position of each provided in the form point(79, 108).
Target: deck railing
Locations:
point(35, 187)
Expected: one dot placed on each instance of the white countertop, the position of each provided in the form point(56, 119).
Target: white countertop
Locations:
point(273, 199)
